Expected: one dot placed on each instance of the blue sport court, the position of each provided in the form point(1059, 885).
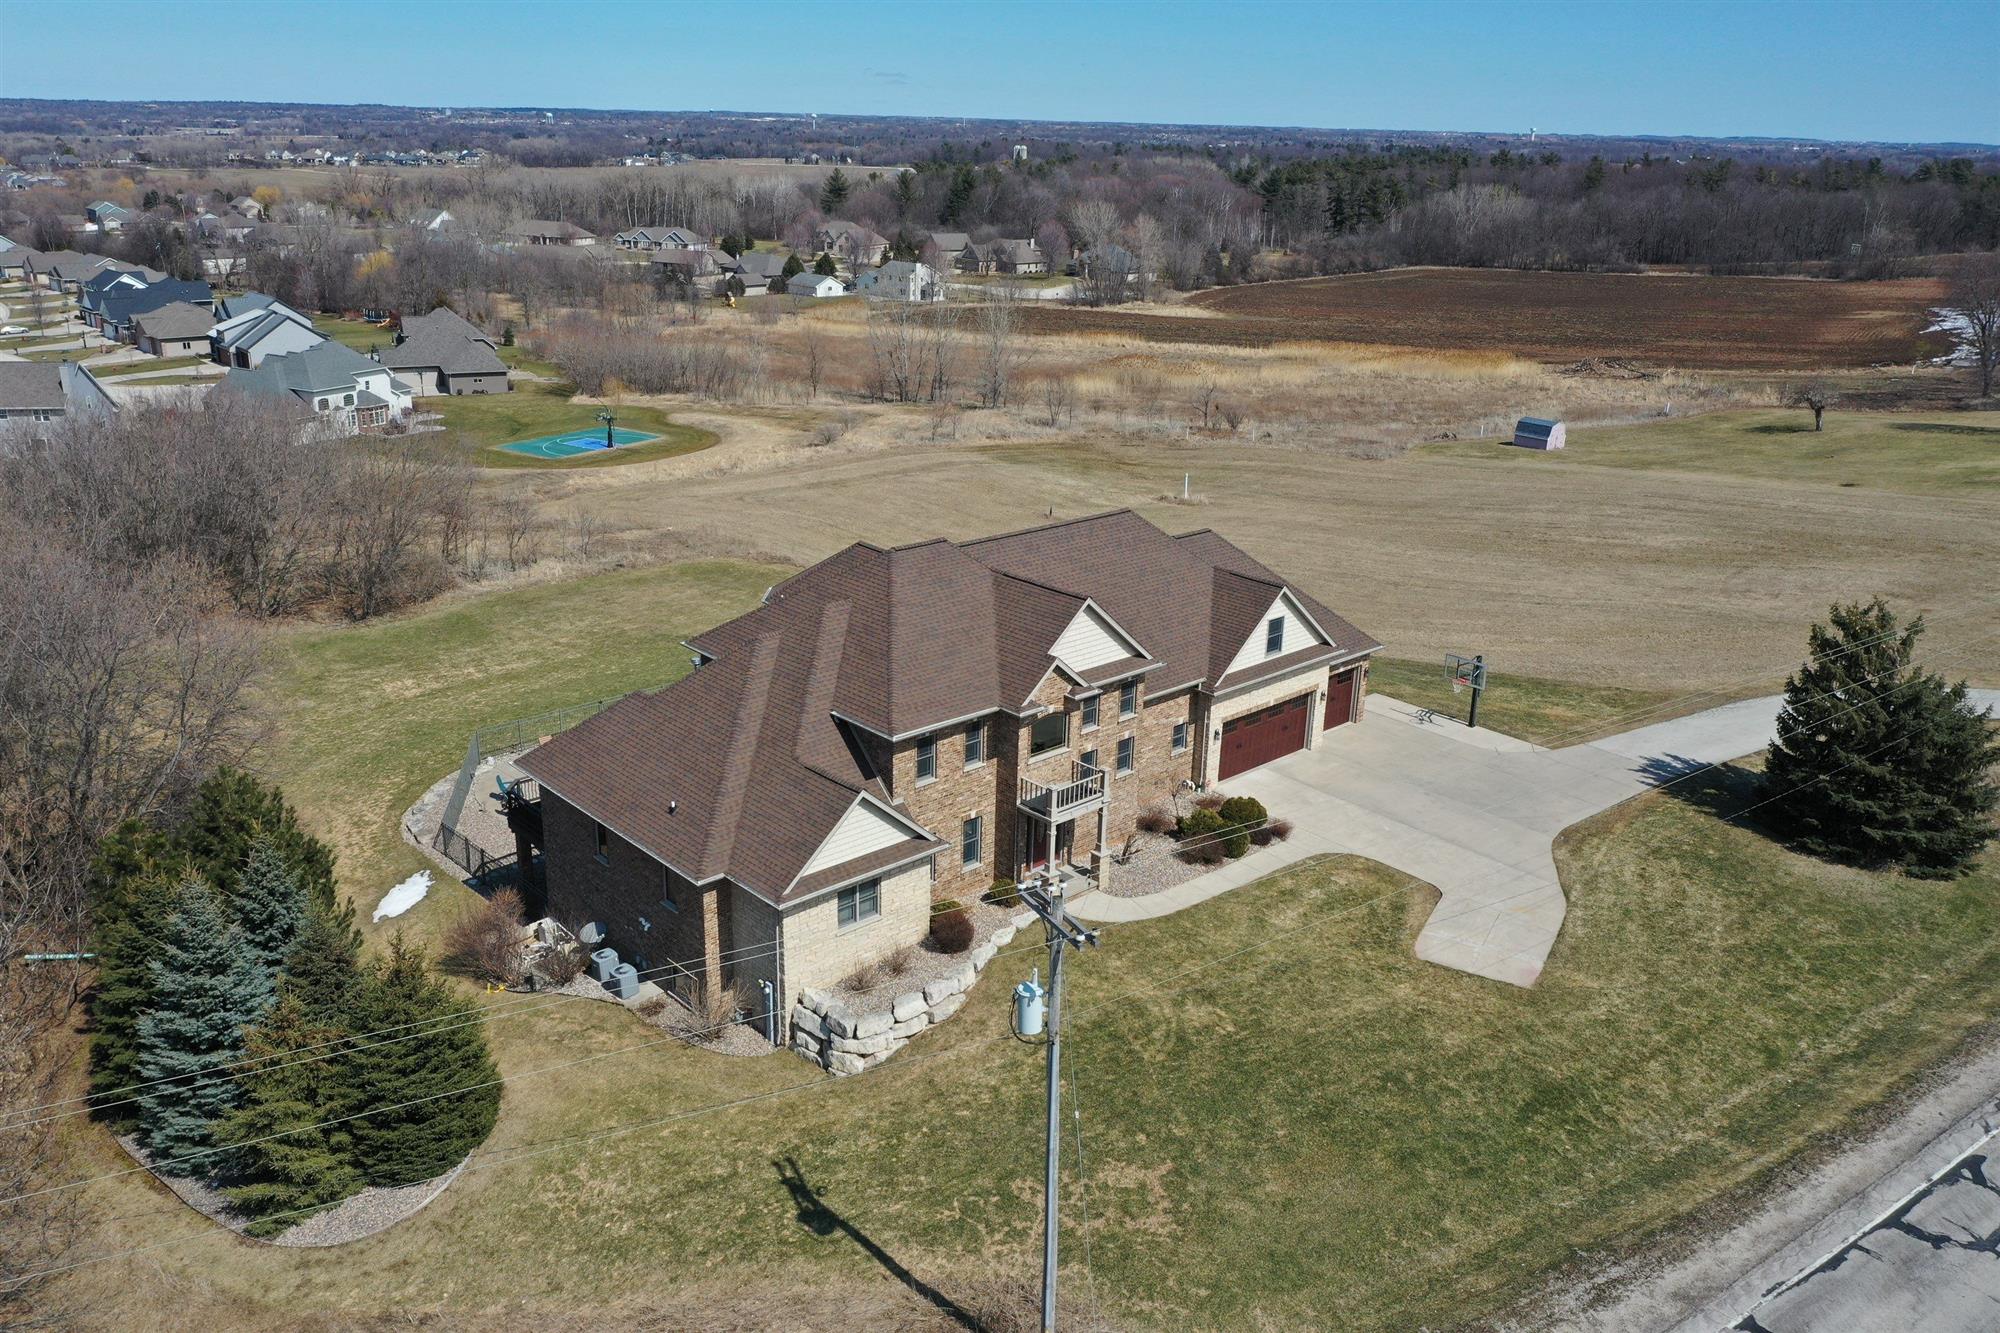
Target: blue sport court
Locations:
point(571, 443)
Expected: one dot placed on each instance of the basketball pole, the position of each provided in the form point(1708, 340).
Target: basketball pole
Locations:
point(1478, 688)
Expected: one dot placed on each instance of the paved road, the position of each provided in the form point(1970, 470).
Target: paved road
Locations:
point(1933, 1264)
point(1472, 813)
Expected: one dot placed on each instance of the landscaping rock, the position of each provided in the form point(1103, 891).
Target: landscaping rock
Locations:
point(946, 1007)
point(982, 955)
point(907, 1006)
point(839, 1023)
point(881, 1041)
point(910, 1027)
point(869, 1025)
point(815, 1000)
point(1003, 937)
point(940, 988)
point(844, 1062)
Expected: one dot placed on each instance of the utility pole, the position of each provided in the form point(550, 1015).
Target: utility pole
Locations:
point(1045, 900)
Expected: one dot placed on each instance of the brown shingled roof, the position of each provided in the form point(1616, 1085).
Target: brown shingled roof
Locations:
point(757, 750)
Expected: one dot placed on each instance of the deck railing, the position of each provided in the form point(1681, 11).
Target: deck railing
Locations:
point(1055, 802)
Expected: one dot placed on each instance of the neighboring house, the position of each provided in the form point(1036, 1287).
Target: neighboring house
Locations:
point(536, 232)
point(247, 206)
point(688, 265)
point(247, 333)
point(661, 238)
point(852, 242)
point(950, 245)
point(438, 221)
point(221, 265)
point(895, 726)
point(68, 271)
point(1023, 258)
point(756, 268)
point(108, 216)
point(442, 353)
point(179, 328)
point(90, 293)
point(34, 394)
point(121, 305)
point(349, 393)
point(901, 280)
point(1108, 263)
point(815, 285)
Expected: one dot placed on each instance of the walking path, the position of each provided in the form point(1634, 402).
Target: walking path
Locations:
point(1474, 815)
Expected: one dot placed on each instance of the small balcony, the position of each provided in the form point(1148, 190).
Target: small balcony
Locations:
point(1083, 791)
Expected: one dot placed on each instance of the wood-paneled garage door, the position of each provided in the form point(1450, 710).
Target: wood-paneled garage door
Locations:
point(1259, 737)
point(1340, 697)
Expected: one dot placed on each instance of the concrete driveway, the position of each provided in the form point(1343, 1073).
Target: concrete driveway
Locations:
point(1473, 813)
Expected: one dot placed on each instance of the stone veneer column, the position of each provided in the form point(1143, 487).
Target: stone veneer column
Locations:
point(1100, 856)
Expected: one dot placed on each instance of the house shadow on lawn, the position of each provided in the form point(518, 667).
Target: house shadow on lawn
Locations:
point(820, 1219)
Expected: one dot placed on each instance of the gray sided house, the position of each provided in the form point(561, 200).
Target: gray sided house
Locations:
point(538, 231)
point(896, 726)
point(179, 328)
point(36, 394)
point(122, 305)
point(661, 238)
point(442, 354)
point(255, 326)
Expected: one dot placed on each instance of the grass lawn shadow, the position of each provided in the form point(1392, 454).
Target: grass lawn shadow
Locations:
point(820, 1219)
point(1946, 428)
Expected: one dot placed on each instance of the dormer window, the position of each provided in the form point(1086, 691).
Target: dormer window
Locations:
point(1274, 636)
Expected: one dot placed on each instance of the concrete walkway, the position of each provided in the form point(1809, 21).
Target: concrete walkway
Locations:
point(1474, 815)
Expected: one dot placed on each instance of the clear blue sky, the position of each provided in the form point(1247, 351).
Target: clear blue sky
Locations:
point(1864, 70)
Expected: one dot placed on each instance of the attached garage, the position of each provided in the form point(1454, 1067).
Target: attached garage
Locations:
point(1341, 688)
point(1267, 734)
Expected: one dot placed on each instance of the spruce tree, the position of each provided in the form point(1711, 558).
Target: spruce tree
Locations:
point(205, 991)
point(825, 265)
point(833, 195)
point(282, 1146)
point(125, 945)
point(268, 907)
point(323, 970)
point(444, 1052)
point(1876, 762)
point(229, 812)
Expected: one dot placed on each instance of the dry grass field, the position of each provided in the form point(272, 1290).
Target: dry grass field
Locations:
point(1681, 320)
point(1628, 562)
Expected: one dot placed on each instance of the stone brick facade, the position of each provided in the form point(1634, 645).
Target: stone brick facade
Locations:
point(655, 919)
point(1311, 680)
point(818, 953)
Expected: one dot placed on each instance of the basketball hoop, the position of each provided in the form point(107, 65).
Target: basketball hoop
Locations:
point(1467, 671)
point(1458, 684)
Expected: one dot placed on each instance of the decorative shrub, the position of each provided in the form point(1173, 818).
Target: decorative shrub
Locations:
point(1206, 853)
point(560, 965)
point(951, 932)
point(1004, 893)
point(1279, 829)
point(1199, 823)
point(1208, 800)
point(485, 942)
point(1243, 810)
point(1155, 821)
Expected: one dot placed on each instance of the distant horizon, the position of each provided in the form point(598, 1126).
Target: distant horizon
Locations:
point(775, 113)
point(1901, 72)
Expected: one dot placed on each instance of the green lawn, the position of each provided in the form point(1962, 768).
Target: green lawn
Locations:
point(96, 348)
point(1941, 453)
point(519, 358)
point(531, 410)
point(1548, 712)
point(356, 333)
point(1289, 1121)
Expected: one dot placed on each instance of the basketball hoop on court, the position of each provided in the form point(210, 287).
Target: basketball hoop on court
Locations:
point(1467, 673)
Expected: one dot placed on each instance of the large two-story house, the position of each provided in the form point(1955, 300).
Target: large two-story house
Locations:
point(894, 726)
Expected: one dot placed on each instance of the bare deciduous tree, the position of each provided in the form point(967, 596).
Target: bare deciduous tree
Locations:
point(999, 349)
point(1975, 296)
point(1058, 400)
point(1814, 394)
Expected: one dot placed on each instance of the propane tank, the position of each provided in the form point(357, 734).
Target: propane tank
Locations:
point(1029, 1006)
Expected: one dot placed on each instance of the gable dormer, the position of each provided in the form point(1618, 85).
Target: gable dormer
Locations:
point(1284, 628)
point(1093, 639)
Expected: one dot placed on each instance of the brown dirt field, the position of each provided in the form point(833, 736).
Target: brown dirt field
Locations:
point(1707, 323)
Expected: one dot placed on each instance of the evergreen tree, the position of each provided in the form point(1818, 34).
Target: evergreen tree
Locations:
point(323, 972)
point(125, 946)
point(268, 908)
point(283, 1147)
point(205, 990)
point(824, 265)
point(444, 1053)
point(833, 195)
point(231, 810)
point(1877, 763)
point(793, 267)
point(729, 246)
point(1593, 175)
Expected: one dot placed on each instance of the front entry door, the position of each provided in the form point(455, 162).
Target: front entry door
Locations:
point(1035, 856)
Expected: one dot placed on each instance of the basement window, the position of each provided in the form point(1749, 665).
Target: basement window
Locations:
point(859, 903)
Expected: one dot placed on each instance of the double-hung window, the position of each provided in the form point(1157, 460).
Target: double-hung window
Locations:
point(1180, 737)
point(926, 759)
point(1128, 699)
point(603, 844)
point(975, 745)
point(860, 902)
point(1088, 759)
point(1274, 636)
point(971, 841)
point(1125, 748)
point(1090, 713)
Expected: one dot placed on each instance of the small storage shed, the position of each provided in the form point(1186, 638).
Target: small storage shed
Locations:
point(1538, 433)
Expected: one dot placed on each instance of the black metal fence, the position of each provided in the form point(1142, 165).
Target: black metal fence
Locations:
point(468, 855)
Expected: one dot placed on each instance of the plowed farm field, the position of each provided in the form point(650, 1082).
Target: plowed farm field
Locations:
point(1682, 320)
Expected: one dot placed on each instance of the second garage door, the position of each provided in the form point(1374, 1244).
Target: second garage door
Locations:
point(1258, 738)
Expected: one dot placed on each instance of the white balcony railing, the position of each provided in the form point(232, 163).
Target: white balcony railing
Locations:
point(1083, 791)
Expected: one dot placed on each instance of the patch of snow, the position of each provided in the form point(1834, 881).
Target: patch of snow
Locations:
point(1946, 320)
point(404, 896)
